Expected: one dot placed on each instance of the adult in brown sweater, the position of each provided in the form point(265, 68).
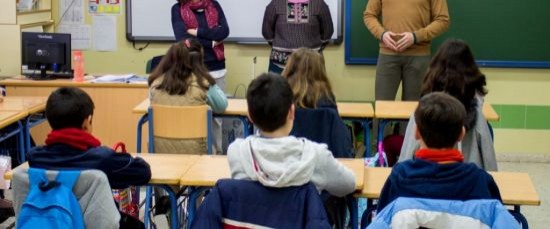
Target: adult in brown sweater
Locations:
point(405, 33)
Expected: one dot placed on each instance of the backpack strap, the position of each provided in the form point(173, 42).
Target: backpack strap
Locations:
point(38, 177)
point(68, 178)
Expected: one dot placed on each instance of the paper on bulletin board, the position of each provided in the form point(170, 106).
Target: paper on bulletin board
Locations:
point(71, 11)
point(104, 7)
point(104, 32)
point(80, 35)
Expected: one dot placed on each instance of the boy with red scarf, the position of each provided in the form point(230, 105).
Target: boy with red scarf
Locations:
point(70, 145)
point(438, 170)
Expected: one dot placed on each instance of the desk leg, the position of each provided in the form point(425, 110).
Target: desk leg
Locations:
point(366, 127)
point(146, 212)
point(520, 217)
point(354, 215)
point(246, 125)
point(141, 121)
point(381, 126)
point(173, 205)
point(194, 193)
point(22, 135)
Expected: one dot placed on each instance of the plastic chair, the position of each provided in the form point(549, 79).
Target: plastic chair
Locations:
point(180, 122)
point(407, 212)
point(152, 64)
point(238, 203)
point(176, 122)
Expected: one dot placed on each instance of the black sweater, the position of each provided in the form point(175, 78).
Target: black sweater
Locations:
point(121, 169)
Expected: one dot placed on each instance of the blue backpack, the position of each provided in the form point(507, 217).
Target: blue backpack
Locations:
point(51, 204)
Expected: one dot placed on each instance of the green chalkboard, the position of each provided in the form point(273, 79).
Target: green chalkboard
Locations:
point(501, 33)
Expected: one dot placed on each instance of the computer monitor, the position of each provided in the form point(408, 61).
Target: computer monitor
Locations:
point(46, 55)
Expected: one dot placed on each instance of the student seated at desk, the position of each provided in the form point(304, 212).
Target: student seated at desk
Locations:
point(307, 76)
point(438, 170)
point(276, 159)
point(70, 145)
point(182, 79)
point(453, 70)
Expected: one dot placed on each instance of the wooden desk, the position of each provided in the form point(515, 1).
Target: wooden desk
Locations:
point(404, 109)
point(209, 169)
point(239, 107)
point(168, 168)
point(30, 104)
point(9, 117)
point(113, 118)
point(515, 188)
point(362, 112)
point(165, 168)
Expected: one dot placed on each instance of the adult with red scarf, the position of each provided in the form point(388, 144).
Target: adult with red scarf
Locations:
point(204, 21)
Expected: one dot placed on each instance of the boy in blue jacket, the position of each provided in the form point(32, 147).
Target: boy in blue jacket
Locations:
point(70, 144)
point(438, 170)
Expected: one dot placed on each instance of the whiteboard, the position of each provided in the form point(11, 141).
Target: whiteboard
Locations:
point(150, 20)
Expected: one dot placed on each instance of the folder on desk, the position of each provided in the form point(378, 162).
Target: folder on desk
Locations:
point(125, 78)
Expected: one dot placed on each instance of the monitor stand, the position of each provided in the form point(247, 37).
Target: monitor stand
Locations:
point(43, 74)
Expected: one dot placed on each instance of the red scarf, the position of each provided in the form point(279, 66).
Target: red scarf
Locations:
point(73, 137)
point(211, 14)
point(447, 155)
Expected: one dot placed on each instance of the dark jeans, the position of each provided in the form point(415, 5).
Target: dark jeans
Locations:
point(274, 68)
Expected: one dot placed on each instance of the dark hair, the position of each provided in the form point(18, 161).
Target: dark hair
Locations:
point(183, 60)
point(68, 107)
point(439, 118)
point(269, 99)
point(453, 70)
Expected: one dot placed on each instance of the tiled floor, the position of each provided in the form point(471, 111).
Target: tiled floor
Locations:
point(537, 216)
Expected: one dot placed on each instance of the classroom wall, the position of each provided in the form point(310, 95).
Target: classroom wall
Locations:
point(520, 96)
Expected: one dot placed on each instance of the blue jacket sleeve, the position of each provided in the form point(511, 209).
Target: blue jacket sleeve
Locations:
point(216, 98)
point(218, 33)
point(180, 30)
point(123, 170)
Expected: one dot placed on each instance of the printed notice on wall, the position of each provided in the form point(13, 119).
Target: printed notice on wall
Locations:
point(80, 35)
point(104, 7)
point(104, 32)
point(71, 11)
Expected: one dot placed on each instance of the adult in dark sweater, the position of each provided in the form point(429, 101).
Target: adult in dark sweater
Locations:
point(205, 21)
point(292, 24)
point(438, 170)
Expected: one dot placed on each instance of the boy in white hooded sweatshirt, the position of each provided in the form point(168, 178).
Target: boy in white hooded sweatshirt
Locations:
point(276, 159)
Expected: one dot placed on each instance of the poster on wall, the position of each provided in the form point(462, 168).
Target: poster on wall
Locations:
point(71, 12)
point(80, 35)
point(104, 7)
point(104, 33)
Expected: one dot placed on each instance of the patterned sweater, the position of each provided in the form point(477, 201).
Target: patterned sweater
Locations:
point(288, 26)
point(427, 19)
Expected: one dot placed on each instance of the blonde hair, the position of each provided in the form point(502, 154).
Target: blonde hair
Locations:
point(307, 76)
